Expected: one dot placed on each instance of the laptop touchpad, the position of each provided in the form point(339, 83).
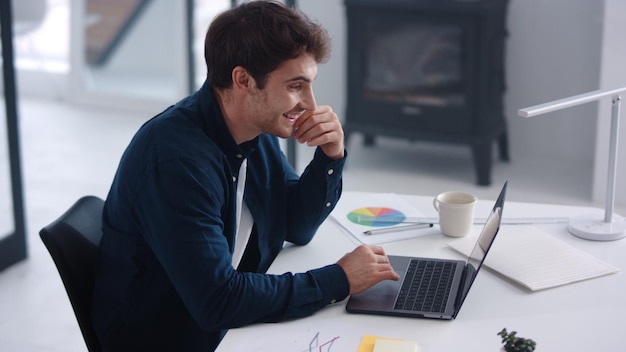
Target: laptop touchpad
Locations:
point(382, 295)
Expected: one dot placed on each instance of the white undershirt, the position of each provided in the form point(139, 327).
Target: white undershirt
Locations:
point(244, 218)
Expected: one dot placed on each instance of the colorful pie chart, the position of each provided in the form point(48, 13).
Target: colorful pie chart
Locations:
point(376, 216)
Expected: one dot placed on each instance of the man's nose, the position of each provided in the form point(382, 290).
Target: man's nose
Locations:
point(308, 100)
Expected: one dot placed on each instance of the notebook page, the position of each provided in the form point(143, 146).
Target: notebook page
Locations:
point(537, 260)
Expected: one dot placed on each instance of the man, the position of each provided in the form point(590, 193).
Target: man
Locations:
point(203, 199)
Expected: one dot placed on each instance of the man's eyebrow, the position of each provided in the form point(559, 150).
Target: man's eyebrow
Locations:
point(299, 78)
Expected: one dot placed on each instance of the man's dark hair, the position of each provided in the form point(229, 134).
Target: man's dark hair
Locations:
point(259, 36)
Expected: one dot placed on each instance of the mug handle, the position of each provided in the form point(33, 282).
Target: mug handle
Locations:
point(436, 204)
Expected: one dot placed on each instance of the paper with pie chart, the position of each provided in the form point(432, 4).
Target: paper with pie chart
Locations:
point(376, 216)
point(359, 213)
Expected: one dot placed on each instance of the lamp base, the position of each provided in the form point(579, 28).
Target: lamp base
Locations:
point(594, 228)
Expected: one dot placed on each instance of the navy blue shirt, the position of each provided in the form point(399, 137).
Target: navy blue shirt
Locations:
point(165, 281)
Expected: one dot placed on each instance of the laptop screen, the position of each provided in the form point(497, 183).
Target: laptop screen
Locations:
point(484, 242)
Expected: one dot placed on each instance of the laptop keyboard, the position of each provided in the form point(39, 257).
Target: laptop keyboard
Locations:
point(426, 286)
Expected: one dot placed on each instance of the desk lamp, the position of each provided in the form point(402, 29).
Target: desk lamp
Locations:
point(612, 226)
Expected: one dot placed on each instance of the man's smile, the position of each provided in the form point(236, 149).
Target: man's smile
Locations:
point(292, 117)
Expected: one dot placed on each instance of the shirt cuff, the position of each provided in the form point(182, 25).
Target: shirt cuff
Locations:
point(333, 283)
point(320, 156)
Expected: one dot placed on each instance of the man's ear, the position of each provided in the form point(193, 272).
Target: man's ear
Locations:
point(241, 78)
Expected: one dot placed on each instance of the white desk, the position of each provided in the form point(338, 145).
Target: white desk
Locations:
point(584, 316)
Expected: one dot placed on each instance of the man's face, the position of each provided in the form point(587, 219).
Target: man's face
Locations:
point(288, 93)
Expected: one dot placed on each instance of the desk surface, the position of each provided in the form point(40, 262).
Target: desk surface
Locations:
point(583, 316)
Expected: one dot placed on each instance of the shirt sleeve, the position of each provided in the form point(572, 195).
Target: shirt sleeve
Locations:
point(180, 212)
point(313, 196)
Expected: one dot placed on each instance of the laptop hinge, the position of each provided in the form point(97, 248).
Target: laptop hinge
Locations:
point(466, 282)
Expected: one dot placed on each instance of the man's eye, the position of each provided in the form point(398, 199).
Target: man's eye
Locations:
point(296, 86)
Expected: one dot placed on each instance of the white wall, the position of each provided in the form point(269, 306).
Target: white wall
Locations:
point(553, 52)
point(330, 85)
point(613, 75)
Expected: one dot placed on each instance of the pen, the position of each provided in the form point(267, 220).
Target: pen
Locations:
point(435, 220)
point(396, 229)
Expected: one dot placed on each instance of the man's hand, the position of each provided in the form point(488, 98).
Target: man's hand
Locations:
point(365, 267)
point(321, 127)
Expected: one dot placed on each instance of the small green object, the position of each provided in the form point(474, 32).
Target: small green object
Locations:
point(512, 343)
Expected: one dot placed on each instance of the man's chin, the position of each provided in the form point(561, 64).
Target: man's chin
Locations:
point(286, 134)
point(283, 135)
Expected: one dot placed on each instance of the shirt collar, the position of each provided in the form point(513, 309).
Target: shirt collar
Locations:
point(214, 125)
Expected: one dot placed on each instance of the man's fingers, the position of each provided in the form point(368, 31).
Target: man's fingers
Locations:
point(321, 128)
point(366, 266)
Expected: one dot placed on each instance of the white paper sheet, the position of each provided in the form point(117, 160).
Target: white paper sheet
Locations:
point(537, 260)
point(386, 205)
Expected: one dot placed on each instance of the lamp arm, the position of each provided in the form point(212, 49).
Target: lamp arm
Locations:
point(568, 102)
point(615, 111)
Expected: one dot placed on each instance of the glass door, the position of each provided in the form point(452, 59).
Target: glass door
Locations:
point(130, 53)
point(12, 226)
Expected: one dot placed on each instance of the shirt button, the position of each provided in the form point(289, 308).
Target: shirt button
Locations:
point(234, 179)
point(330, 171)
point(328, 204)
point(333, 301)
point(239, 156)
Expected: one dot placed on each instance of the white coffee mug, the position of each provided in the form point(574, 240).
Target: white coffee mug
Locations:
point(456, 212)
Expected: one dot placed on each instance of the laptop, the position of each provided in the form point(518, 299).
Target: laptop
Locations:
point(429, 287)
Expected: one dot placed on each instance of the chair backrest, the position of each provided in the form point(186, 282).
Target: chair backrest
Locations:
point(73, 241)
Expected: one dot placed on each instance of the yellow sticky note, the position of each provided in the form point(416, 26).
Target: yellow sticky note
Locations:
point(395, 346)
point(368, 343)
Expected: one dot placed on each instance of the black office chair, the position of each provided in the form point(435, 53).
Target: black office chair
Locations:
point(72, 241)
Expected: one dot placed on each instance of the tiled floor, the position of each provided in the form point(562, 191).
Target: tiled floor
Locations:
point(72, 151)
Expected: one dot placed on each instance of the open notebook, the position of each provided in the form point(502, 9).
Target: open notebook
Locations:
point(537, 260)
